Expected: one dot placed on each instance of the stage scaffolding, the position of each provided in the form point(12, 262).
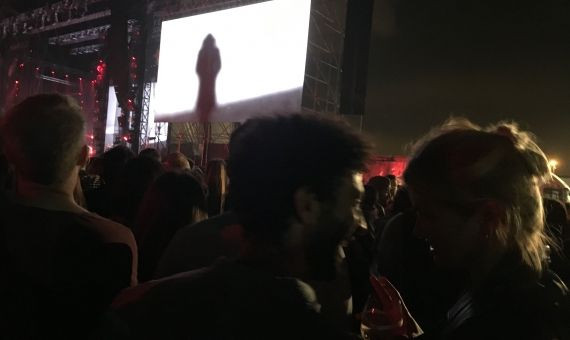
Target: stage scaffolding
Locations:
point(323, 70)
point(145, 111)
point(153, 24)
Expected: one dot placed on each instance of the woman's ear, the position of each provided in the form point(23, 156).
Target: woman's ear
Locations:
point(307, 207)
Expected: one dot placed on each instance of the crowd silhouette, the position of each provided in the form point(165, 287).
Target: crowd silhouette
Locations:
point(282, 240)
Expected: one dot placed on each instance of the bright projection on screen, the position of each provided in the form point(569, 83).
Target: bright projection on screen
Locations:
point(258, 67)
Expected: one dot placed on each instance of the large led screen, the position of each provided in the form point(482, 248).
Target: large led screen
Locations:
point(233, 64)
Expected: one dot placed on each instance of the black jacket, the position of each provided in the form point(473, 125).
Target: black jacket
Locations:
point(513, 303)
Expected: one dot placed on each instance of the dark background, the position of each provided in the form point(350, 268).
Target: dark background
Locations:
point(482, 59)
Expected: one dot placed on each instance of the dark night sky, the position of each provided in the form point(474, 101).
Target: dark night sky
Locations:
point(487, 60)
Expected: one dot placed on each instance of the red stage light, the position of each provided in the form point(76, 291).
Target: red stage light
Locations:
point(16, 82)
point(125, 138)
point(80, 79)
point(67, 76)
point(21, 66)
point(37, 68)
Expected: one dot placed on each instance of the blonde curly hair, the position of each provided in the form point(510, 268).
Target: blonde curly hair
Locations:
point(463, 163)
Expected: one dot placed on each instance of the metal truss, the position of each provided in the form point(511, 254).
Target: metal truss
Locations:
point(137, 85)
point(89, 34)
point(94, 33)
point(160, 145)
point(323, 70)
point(145, 110)
point(171, 9)
point(94, 48)
point(152, 42)
point(33, 22)
point(222, 131)
point(193, 132)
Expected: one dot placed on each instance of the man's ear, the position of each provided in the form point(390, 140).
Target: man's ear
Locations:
point(307, 207)
point(83, 156)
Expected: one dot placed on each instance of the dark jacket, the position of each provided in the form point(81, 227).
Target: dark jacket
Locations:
point(60, 272)
point(513, 303)
point(228, 300)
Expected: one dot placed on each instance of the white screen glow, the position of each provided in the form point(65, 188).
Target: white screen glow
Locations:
point(262, 50)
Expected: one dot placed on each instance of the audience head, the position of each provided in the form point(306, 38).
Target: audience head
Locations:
point(44, 138)
point(174, 199)
point(370, 197)
point(402, 201)
point(477, 193)
point(151, 153)
point(137, 176)
point(114, 161)
point(393, 185)
point(95, 166)
point(177, 161)
point(369, 205)
point(306, 190)
point(382, 186)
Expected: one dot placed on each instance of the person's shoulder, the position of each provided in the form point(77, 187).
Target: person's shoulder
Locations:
point(110, 231)
point(545, 309)
point(233, 294)
point(20, 217)
point(200, 232)
point(212, 224)
point(554, 294)
point(155, 289)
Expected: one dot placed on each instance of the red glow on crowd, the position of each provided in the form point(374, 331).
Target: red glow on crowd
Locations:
point(382, 166)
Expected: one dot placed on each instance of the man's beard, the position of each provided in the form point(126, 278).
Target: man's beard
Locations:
point(322, 252)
